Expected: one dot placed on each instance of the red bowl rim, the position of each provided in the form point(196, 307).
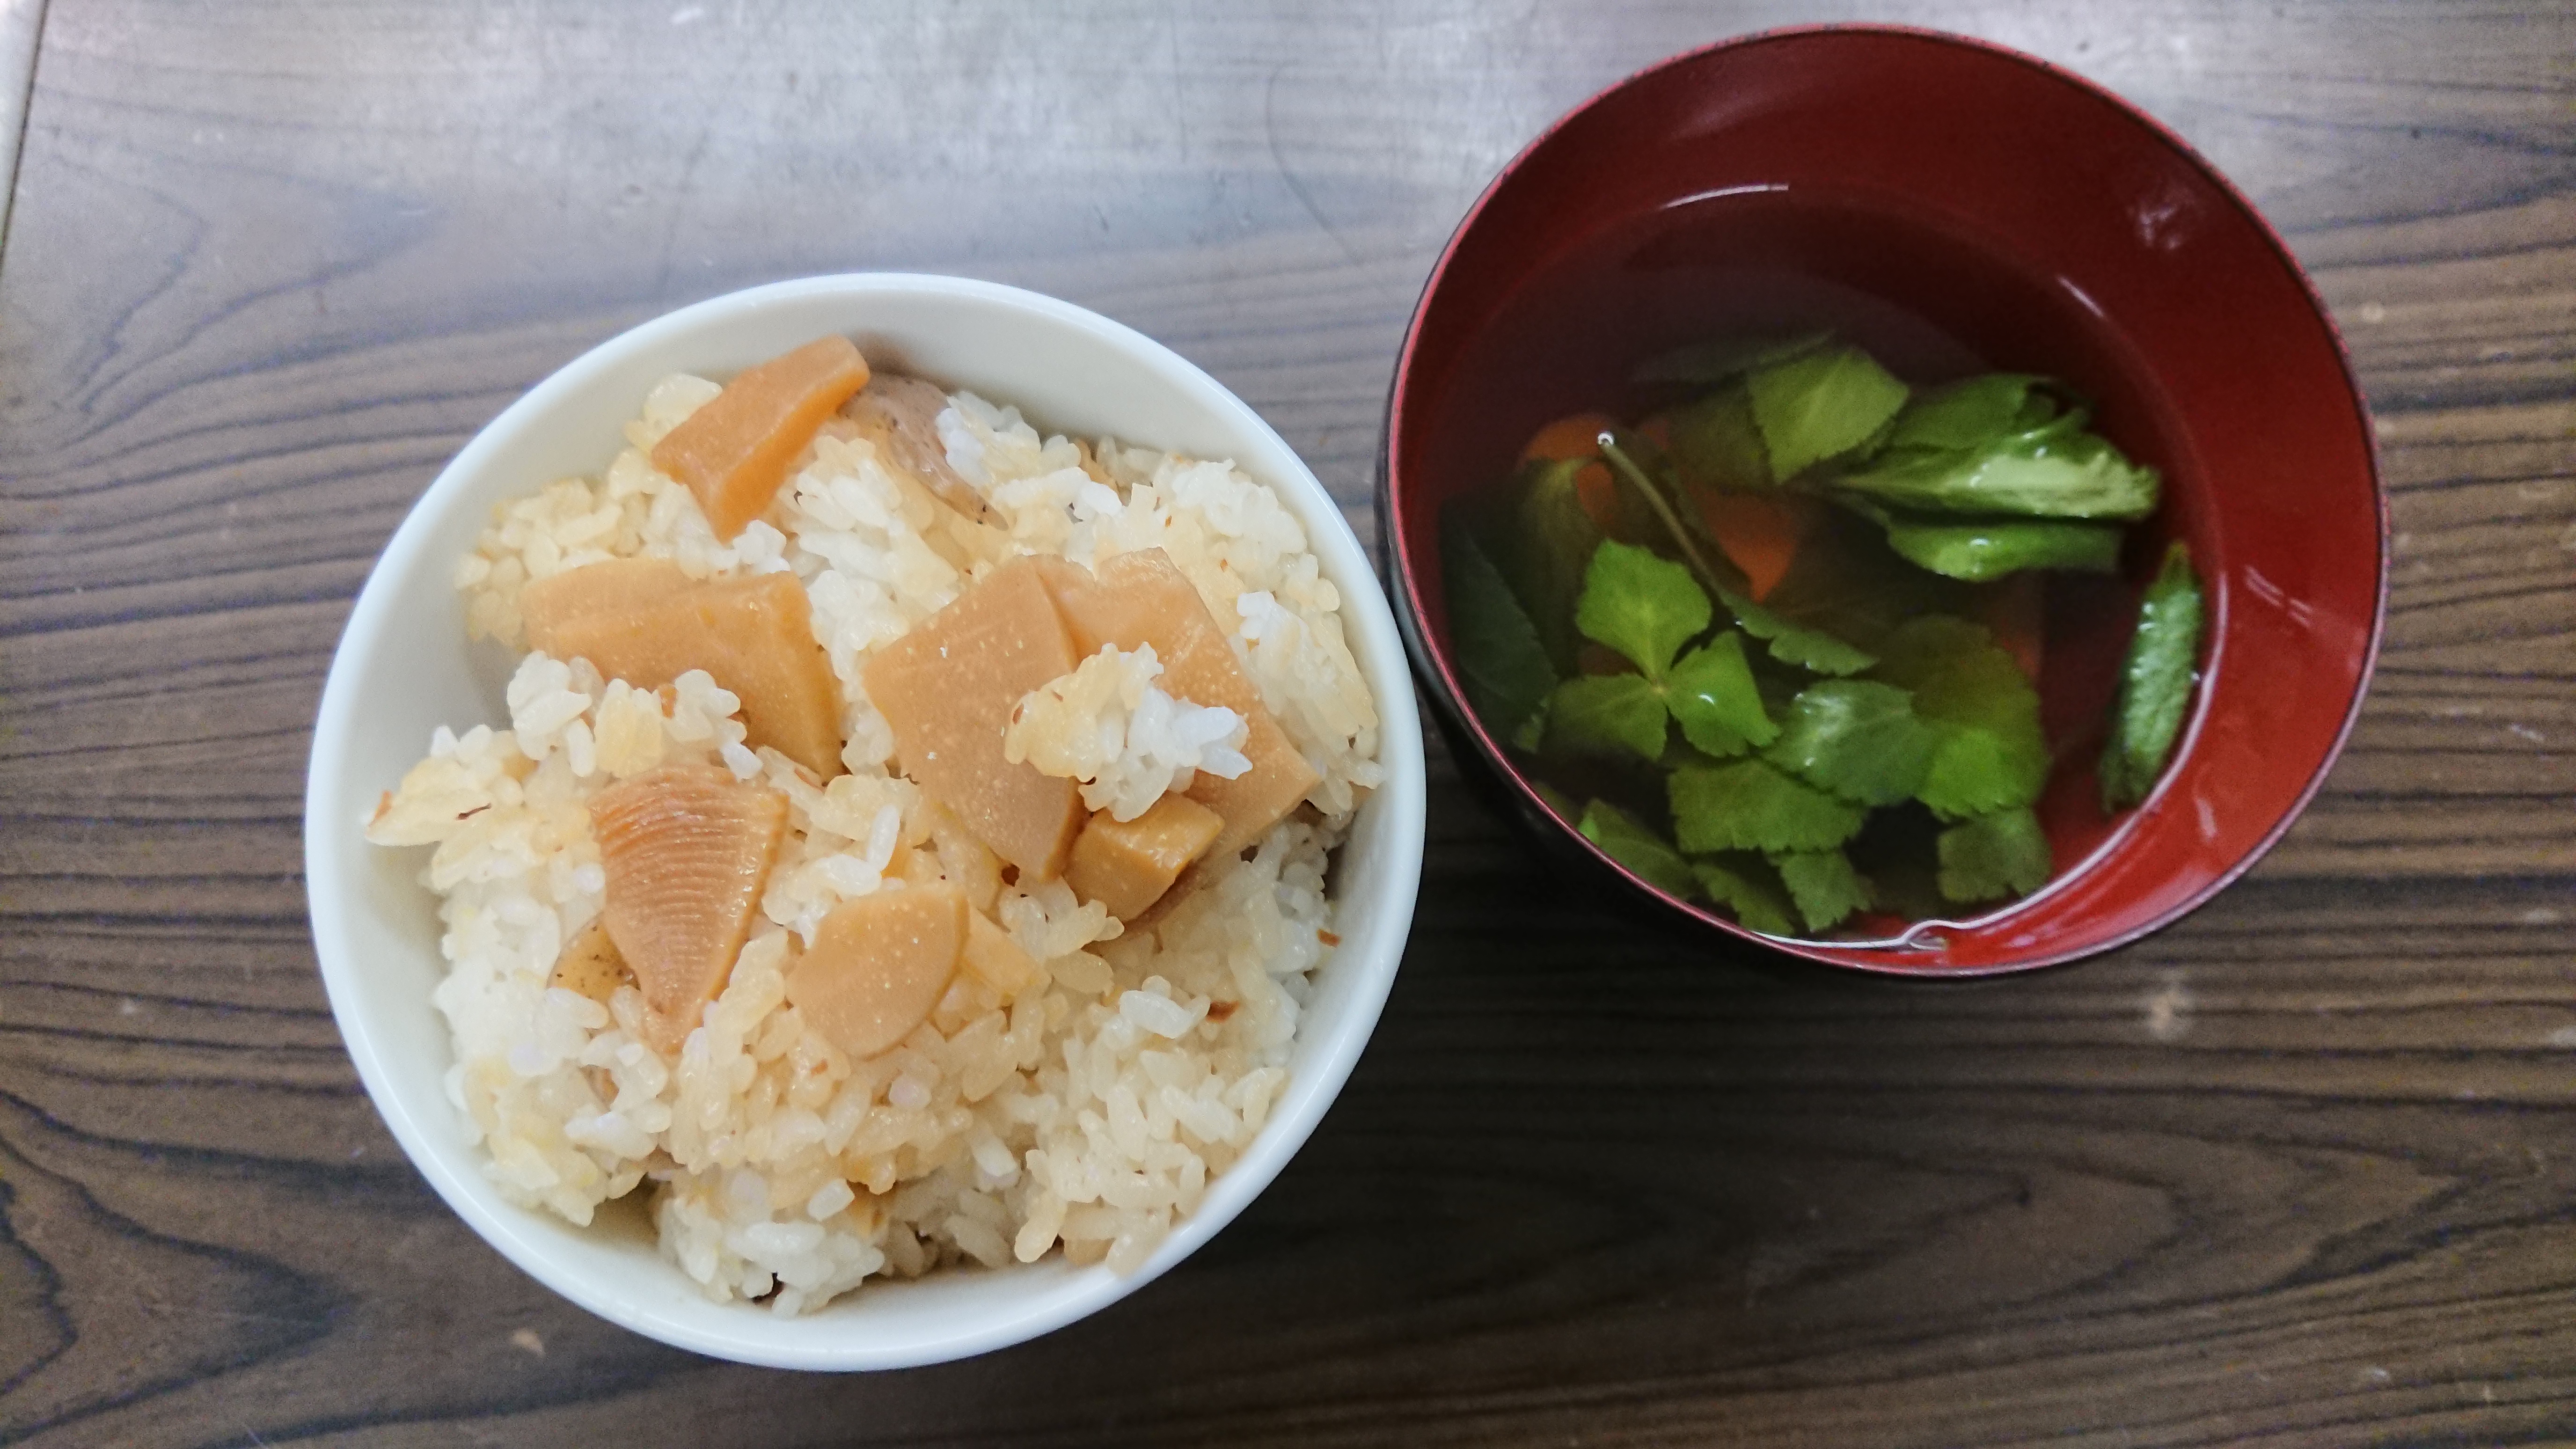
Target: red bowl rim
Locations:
point(1431, 661)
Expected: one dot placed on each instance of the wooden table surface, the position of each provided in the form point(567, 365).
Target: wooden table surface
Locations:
point(2299, 1171)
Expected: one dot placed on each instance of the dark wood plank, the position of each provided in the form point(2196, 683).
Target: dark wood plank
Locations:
point(2292, 1173)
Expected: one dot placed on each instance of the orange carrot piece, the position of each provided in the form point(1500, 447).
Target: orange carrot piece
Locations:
point(1577, 435)
point(1598, 492)
point(733, 453)
point(1761, 534)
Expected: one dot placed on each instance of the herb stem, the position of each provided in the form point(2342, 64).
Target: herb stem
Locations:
point(1626, 469)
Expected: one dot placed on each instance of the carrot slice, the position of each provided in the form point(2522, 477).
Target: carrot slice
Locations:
point(1577, 435)
point(1761, 534)
point(733, 453)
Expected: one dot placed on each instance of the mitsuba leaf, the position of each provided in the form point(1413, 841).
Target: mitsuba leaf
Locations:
point(2155, 682)
point(1625, 839)
point(1500, 659)
point(1552, 542)
point(1713, 362)
point(1565, 806)
point(1790, 644)
point(1749, 805)
point(1993, 857)
point(1608, 714)
point(2053, 471)
point(1713, 697)
point(1856, 739)
point(1821, 404)
point(1982, 550)
point(1532, 732)
point(1969, 413)
point(1988, 752)
point(1846, 583)
point(1644, 606)
point(1717, 445)
point(1738, 883)
point(1824, 885)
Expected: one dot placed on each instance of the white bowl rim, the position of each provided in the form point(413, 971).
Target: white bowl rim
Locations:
point(738, 1331)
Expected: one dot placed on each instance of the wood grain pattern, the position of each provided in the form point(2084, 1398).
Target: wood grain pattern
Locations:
point(20, 22)
point(2297, 1172)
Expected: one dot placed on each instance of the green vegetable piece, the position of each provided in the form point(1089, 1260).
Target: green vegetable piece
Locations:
point(1715, 570)
point(1608, 714)
point(1790, 644)
point(1749, 805)
point(1989, 753)
point(1988, 549)
point(1820, 405)
point(1969, 413)
point(1552, 544)
point(2054, 471)
point(1856, 739)
point(1565, 806)
point(1641, 605)
point(1533, 731)
point(1993, 857)
point(2036, 410)
point(1500, 660)
point(1824, 885)
point(1718, 446)
point(2155, 682)
point(1710, 363)
point(1625, 839)
point(1736, 884)
point(1714, 699)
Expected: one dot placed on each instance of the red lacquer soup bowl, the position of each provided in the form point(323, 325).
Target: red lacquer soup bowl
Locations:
point(1955, 207)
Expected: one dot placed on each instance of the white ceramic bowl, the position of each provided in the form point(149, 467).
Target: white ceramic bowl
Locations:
point(404, 667)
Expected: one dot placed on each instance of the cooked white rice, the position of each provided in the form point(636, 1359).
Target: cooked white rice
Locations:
point(1088, 1113)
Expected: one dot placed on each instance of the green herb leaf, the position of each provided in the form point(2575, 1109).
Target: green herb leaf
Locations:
point(1626, 840)
point(1607, 714)
point(1737, 883)
point(1824, 885)
point(1751, 806)
point(1790, 644)
point(1718, 446)
point(1532, 731)
point(1565, 806)
point(1713, 698)
point(1856, 739)
point(2054, 471)
point(1644, 606)
point(1987, 549)
point(1821, 404)
point(1969, 413)
point(1989, 753)
point(1846, 583)
point(1710, 363)
point(2155, 682)
point(1552, 540)
point(2036, 411)
point(1500, 660)
point(1993, 856)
